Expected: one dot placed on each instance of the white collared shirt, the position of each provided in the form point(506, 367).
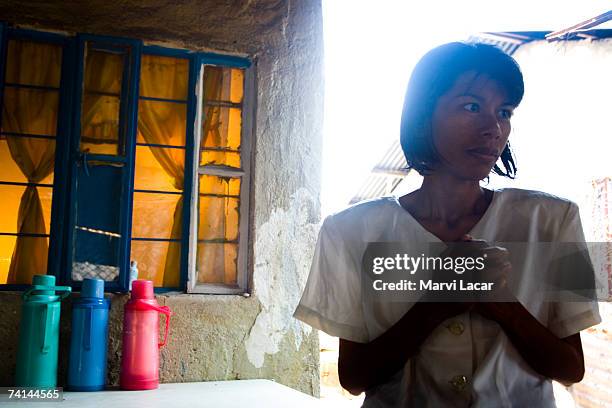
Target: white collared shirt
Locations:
point(467, 360)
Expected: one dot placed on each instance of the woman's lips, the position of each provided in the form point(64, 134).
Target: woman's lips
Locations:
point(484, 155)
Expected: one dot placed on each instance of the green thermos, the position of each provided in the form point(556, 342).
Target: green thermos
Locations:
point(39, 333)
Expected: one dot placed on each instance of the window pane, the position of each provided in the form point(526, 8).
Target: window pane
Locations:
point(97, 237)
point(100, 124)
point(221, 128)
point(33, 63)
point(223, 84)
point(103, 71)
point(219, 185)
point(32, 111)
point(215, 157)
point(32, 261)
point(9, 169)
point(159, 168)
point(96, 255)
point(97, 148)
point(46, 196)
point(237, 85)
point(218, 218)
point(97, 194)
point(101, 101)
point(154, 216)
point(12, 197)
point(7, 245)
point(162, 123)
point(217, 263)
point(36, 155)
point(48, 179)
point(9, 207)
point(164, 77)
point(40, 152)
point(153, 264)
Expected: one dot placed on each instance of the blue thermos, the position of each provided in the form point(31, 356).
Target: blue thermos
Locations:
point(87, 364)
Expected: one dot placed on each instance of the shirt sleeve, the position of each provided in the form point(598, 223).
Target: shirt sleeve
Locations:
point(570, 317)
point(331, 301)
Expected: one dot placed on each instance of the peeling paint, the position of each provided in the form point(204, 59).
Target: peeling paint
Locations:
point(284, 243)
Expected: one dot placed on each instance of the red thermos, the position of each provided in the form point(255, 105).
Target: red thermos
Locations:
point(140, 356)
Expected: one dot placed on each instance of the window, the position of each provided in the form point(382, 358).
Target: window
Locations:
point(101, 160)
point(160, 168)
point(145, 152)
point(31, 94)
point(221, 210)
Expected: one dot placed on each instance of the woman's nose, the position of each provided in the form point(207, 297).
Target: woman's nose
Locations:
point(491, 127)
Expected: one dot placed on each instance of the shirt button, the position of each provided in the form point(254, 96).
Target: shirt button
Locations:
point(458, 382)
point(456, 328)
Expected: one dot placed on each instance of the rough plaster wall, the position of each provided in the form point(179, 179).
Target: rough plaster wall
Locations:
point(294, 225)
point(219, 337)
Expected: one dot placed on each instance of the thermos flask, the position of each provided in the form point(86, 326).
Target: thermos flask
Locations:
point(39, 333)
point(87, 363)
point(140, 355)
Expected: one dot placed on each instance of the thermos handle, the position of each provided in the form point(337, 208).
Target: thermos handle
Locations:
point(64, 290)
point(165, 310)
point(88, 329)
point(46, 335)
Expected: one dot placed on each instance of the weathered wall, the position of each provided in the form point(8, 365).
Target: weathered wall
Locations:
point(227, 337)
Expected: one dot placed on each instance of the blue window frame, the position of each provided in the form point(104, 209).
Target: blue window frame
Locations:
point(100, 198)
point(94, 170)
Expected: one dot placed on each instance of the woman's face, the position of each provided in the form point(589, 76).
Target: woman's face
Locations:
point(470, 126)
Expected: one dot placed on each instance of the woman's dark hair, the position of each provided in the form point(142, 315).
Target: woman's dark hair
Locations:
point(432, 77)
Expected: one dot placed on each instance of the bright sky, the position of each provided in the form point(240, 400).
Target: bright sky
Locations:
point(370, 49)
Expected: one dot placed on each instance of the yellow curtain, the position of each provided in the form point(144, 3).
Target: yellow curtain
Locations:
point(159, 123)
point(26, 109)
point(212, 92)
point(214, 210)
point(100, 115)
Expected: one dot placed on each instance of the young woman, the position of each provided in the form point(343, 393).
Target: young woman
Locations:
point(454, 130)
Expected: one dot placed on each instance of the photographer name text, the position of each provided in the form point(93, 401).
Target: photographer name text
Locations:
point(431, 285)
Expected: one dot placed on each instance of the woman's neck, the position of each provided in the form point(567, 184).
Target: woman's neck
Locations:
point(446, 199)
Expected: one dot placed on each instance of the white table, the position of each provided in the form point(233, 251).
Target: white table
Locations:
point(213, 394)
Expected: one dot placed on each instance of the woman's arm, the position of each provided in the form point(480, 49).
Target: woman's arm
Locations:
point(548, 355)
point(364, 365)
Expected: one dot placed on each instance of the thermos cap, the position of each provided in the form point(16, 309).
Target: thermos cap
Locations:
point(93, 288)
point(142, 289)
point(44, 280)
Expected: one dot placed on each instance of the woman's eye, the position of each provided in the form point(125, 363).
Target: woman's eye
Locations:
point(505, 113)
point(472, 107)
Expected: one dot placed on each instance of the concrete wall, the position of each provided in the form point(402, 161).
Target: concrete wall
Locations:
point(226, 337)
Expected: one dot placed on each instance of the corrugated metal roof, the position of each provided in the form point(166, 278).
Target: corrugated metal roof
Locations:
point(385, 176)
point(508, 42)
